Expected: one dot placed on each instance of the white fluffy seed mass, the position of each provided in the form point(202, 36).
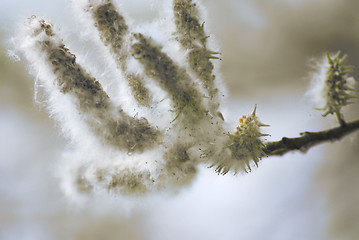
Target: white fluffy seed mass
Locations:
point(140, 105)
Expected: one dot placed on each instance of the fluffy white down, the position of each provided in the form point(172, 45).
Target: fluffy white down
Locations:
point(316, 91)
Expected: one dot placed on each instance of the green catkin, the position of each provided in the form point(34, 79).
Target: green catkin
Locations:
point(245, 145)
point(113, 29)
point(192, 37)
point(118, 130)
point(191, 32)
point(173, 79)
point(337, 89)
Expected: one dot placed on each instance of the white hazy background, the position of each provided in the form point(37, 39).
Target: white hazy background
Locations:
point(267, 50)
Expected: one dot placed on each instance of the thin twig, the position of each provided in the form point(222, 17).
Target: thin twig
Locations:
point(309, 139)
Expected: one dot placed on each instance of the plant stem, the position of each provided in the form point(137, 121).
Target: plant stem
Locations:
point(309, 139)
point(340, 119)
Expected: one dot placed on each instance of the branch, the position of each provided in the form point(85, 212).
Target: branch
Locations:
point(309, 139)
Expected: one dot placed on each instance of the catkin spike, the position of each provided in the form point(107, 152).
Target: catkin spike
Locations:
point(190, 31)
point(336, 89)
point(192, 37)
point(169, 75)
point(112, 27)
point(245, 145)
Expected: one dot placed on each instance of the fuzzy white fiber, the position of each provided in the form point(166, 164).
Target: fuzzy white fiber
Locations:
point(316, 91)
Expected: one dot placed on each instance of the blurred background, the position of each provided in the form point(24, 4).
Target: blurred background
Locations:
point(268, 50)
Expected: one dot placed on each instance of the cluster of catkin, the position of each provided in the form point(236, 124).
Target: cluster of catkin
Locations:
point(166, 74)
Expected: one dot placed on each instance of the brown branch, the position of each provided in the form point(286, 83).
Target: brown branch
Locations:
point(309, 139)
